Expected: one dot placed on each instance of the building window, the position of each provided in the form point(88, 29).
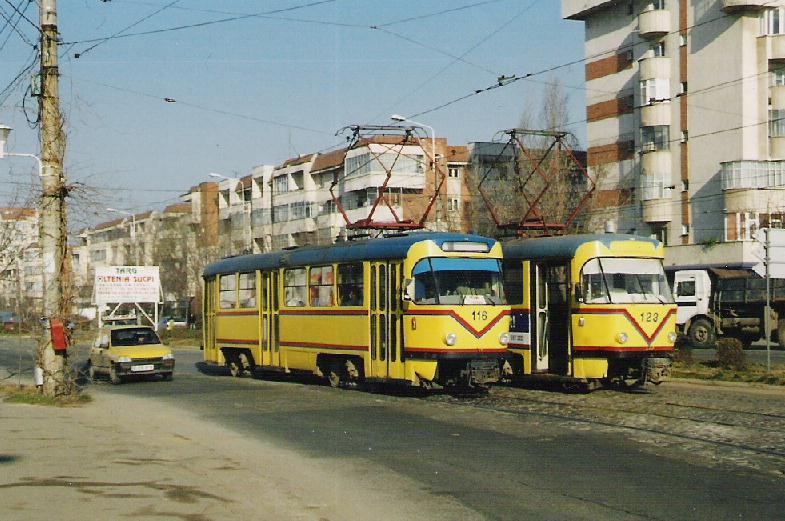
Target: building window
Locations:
point(321, 286)
point(684, 136)
point(772, 21)
point(630, 8)
point(281, 213)
point(658, 4)
point(453, 204)
point(777, 76)
point(682, 40)
point(454, 172)
point(658, 49)
point(294, 287)
point(654, 138)
point(776, 123)
point(282, 184)
point(683, 87)
point(660, 232)
point(654, 90)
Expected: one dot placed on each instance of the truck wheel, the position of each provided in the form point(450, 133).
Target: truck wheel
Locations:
point(781, 333)
point(702, 333)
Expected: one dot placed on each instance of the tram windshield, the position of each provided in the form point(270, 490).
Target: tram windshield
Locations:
point(625, 281)
point(458, 281)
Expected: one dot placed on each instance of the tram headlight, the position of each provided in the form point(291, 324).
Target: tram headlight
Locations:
point(622, 338)
point(504, 338)
point(672, 336)
point(450, 339)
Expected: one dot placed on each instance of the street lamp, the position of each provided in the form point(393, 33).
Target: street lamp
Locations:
point(4, 132)
point(133, 230)
point(401, 119)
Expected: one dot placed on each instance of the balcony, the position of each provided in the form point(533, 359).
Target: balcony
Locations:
point(752, 175)
point(777, 95)
point(657, 113)
point(736, 6)
point(776, 47)
point(777, 147)
point(658, 211)
point(656, 161)
point(654, 23)
point(652, 67)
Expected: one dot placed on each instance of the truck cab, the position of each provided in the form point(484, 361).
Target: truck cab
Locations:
point(692, 293)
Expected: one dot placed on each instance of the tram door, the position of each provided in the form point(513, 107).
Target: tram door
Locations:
point(552, 318)
point(266, 324)
point(274, 327)
point(385, 320)
point(208, 318)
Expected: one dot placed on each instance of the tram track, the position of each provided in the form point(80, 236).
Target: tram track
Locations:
point(737, 436)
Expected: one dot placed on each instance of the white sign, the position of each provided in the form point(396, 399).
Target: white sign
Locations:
point(127, 284)
point(776, 248)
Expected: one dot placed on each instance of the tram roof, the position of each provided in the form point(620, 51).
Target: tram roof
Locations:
point(370, 249)
point(564, 246)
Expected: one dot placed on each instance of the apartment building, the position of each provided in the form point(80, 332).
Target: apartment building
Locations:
point(21, 270)
point(685, 107)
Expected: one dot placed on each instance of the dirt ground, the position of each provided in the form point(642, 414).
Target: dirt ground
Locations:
point(118, 457)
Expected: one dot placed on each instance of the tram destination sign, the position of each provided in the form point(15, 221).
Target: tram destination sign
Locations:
point(126, 284)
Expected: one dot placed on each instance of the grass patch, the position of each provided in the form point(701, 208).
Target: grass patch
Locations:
point(32, 396)
point(752, 373)
point(182, 337)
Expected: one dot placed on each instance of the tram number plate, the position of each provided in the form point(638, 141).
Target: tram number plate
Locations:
point(147, 367)
point(650, 317)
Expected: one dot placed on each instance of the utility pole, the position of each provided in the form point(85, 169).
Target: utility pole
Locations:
point(53, 218)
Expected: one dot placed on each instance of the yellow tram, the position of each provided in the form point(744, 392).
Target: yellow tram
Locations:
point(423, 309)
point(589, 309)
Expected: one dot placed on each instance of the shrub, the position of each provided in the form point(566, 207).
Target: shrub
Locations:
point(730, 354)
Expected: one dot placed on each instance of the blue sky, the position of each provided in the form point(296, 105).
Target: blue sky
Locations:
point(261, 89)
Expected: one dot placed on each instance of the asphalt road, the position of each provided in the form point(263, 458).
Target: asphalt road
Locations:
point(504, 466)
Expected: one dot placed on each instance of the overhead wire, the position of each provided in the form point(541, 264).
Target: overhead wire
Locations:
point(507, 80)
point(202, 24)
point(22, 14)
point(126, 28)
point(15, 28)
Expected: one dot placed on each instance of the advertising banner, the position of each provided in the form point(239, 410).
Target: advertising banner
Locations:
point(127, 284)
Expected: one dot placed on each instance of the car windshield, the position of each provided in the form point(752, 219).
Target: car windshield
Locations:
point(458, 281)
point(134, 336)
point(625, 281)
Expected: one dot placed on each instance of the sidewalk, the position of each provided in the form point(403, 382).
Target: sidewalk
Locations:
point(125, 457)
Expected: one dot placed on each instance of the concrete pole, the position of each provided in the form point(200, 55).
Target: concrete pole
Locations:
point(53, 218)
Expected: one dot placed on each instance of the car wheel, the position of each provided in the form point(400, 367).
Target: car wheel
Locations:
point(702, 333)
point(167, 377)
point(114, 377)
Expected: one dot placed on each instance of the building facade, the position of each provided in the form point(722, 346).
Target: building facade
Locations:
point(21, 269)
point(686, 120)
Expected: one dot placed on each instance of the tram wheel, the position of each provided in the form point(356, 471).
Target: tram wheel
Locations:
point(234, 368)
point(334, 378)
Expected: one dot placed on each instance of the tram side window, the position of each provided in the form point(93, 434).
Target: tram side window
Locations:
point(228, 290)
point(247, 290)
point(294, 287)
point(513, 281)
point(350, 284)
point(321, 286)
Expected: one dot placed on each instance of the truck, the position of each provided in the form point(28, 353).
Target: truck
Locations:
point(727, 303)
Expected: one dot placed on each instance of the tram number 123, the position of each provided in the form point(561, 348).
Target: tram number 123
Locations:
point(650, 316)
